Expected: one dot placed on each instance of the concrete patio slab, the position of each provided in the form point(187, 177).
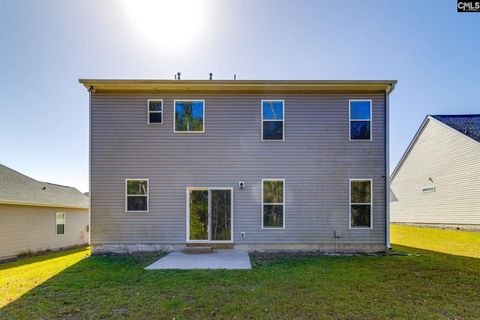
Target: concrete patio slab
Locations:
point(218, 259)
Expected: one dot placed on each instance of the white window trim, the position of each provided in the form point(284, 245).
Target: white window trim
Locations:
point(187, 203)
point(350, 204)
point(148, 111)
point(283, 204)
point(203, 115)
point(350, 119)
point(139, 195)
point(283, 120)
point(64, 223)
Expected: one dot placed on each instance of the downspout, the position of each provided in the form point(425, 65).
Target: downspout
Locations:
point(90, 91)
point(387, 166)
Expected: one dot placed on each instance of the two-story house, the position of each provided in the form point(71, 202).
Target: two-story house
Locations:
point(258, 165)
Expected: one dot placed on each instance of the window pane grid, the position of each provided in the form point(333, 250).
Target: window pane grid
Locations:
point(136, 193)
point(60, 223)
point(273, 212)
point(273, 120)
point(361, 211)
point(155, 111)
point(360, 117)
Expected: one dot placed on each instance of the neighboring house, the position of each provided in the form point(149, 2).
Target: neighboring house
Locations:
point(37, 216)
point(437, 181)
point(256, 165)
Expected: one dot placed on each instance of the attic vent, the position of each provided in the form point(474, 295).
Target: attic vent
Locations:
point(428, 189)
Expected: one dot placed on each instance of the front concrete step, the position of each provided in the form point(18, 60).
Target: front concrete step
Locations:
point(212, 245)
point(197, 250)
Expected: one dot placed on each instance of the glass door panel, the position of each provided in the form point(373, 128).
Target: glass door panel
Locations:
point(221, 214)
point(198, 214)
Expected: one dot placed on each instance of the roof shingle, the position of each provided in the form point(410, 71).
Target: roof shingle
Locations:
point(18, 188)
point(468, 124)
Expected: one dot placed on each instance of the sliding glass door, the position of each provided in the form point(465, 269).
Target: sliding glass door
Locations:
point(209, 214)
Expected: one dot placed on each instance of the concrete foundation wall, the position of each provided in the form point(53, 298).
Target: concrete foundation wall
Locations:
point(342, 248)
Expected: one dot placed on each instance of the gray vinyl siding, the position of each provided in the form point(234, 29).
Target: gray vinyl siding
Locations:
point(452, 160)
point(29, 228)
point(316, 160)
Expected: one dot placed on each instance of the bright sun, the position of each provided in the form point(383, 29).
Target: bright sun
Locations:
point(167, 23)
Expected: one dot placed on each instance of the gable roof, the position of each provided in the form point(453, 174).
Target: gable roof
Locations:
point(16, 188)
point(466, 124)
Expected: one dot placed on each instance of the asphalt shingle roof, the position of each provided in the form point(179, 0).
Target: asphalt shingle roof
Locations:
point(18, 188)
point(468, 124)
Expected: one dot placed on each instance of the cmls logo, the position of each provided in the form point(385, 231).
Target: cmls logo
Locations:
point(468, 6)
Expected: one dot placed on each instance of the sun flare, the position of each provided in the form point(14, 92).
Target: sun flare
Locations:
point(167, 23)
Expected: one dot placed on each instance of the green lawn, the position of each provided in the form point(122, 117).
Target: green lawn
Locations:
point(426, 285)
point(461, 243)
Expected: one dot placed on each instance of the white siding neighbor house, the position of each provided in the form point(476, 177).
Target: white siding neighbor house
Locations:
point(437, 181)
point(37, 216)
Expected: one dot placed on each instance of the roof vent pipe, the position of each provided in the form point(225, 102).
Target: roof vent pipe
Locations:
point(210, 76)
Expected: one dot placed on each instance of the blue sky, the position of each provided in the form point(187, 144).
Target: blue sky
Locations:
point(432, 50)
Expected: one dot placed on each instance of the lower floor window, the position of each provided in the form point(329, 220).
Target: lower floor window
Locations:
point(60, 222)
point(136, 195)
point(360, 203)
point(273, 203)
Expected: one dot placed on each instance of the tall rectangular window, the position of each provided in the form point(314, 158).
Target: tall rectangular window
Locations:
point(273, 203)
point(60, 222)
point(136, 195)
point(155, 111)
point(361, 203)
point(360, 119)
point(189, 116)
point(273, 120)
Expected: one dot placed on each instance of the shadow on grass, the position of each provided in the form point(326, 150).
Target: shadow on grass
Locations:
point(46, 255)
point(117, 287)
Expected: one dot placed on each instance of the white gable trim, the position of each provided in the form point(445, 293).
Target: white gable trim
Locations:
point(410, 146)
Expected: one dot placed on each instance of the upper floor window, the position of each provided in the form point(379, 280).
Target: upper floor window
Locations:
point(136, 191)
point(360, 203)
point(189, 116)
point(360, 119)
point(60, 223)
point(273, 203)
point(155, 111)
point(273, 120)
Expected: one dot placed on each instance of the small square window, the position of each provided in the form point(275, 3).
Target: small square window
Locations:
point(360, 119)
point(155, 111)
